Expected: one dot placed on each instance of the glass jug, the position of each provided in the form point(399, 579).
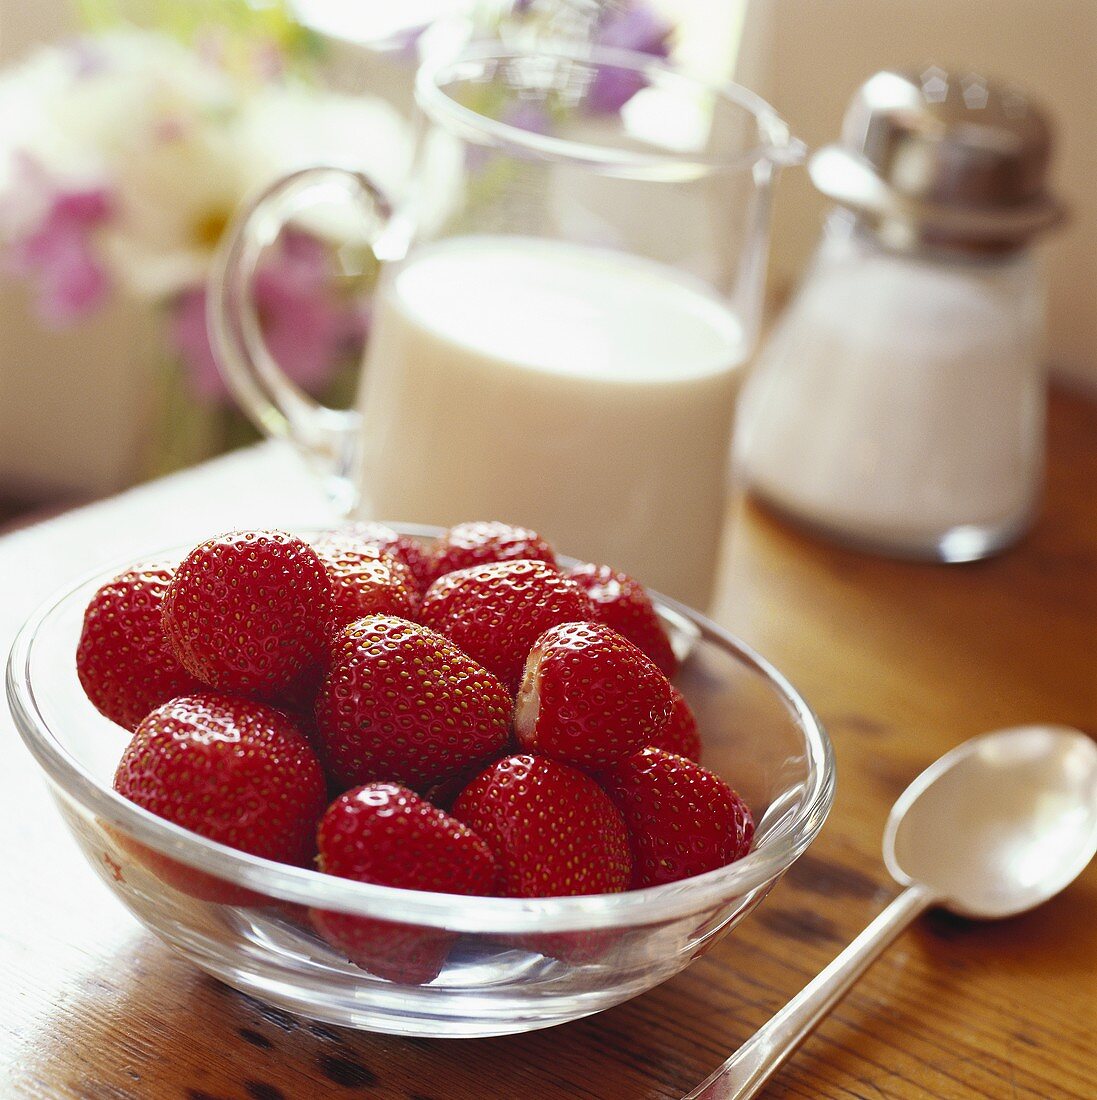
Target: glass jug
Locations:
point(569, 287)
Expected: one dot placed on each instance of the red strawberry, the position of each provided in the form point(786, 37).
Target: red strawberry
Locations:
point(589, 697)
point(366, 580)
point(444, 793)
point(680, 735)
point(404, 548)
point(298, 698)
point(623, 603)
point(385, 834)
point(402, 702)
point(485, 541)
point(246, 612)
point(496, 612)
point(124, 662)
point(232, 770)
point(552, 829)
point(682, 819)
point(398, 952)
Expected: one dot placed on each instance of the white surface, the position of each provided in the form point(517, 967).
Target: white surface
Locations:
point(578, 391)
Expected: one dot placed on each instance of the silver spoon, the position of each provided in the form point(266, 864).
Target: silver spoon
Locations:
point(998, 825)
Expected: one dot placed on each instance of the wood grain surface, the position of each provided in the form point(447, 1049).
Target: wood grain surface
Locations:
point(902, 661)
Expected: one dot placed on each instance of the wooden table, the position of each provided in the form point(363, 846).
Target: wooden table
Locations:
point(901, 661)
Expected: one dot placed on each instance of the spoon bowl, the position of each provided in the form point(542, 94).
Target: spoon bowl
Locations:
point(1000, 824)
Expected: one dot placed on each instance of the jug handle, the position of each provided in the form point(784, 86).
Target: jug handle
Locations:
point(327, 438)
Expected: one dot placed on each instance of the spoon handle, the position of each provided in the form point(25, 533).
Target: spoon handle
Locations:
point(751, 1066)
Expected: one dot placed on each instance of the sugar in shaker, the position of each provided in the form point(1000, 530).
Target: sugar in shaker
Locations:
point(899, 403)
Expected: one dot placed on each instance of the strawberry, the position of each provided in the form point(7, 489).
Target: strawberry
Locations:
point(589, 697)
point(623, 603)
point(444, 793)
point(496, 612)
point(403, 953)
point(124, 662)
point(404, 548)
point(401, 702)
point(682, 819)
point(485, 541)
point(234, 771)
point(680, 735)
point(298, 698)
point(553, 831)
point(246, 612)
point(366, 580)
point(385, 834)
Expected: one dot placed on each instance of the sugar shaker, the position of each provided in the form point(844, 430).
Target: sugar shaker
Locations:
point(899, 403)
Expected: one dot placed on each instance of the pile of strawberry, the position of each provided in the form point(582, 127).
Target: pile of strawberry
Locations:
point(488, 723)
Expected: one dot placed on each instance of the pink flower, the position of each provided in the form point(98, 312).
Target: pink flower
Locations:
point(635, 27)
point(56, 250)
point(86, 56)
point(306, 328)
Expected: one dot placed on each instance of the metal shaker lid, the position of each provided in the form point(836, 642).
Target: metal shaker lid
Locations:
point(942, 159)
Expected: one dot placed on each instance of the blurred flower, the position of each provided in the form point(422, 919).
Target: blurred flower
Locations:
point(630, 26)
point(633, 25)
point(124, 155)
point(179, 193)
point(250, 39)
point(54, 249)
point(307, 329)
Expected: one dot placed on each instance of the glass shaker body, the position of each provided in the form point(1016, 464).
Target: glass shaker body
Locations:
point(899, 404)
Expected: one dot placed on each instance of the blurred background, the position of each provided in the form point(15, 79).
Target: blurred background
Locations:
point(129, 132)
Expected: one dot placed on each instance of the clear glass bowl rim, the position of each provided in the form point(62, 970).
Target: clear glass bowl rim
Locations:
point(775, 142)
point(502, 916)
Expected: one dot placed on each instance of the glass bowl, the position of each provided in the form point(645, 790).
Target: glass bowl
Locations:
point(427, 964)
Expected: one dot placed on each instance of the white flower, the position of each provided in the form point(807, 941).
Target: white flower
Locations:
point(286, 127)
